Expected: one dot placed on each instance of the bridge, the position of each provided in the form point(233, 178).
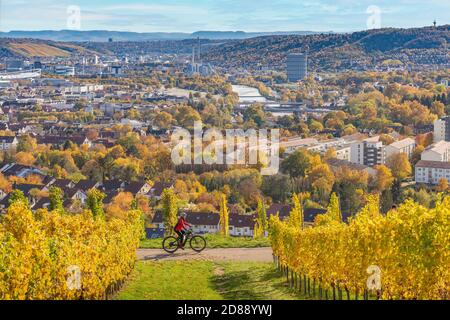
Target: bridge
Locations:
point(18, 75)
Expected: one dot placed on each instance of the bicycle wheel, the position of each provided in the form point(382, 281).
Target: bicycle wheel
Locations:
point(170, 244)
point(198, 243)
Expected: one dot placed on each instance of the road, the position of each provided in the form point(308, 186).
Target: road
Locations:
point(232, 254)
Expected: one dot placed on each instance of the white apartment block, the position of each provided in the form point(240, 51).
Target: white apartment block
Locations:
point(368, 152)
point(442, 129)
point(431, 172)
point(294, 144)
point(406, 146)
point(439, 151)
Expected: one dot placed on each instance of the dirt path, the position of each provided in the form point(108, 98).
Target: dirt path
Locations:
point(234, 254)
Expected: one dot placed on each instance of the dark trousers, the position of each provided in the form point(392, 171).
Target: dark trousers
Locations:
point(180, 235)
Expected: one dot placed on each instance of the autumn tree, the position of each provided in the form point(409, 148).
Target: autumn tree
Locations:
point(25, 158)
point(120, 204)
point(5, 184)
point(95, 202)
point(442, 185)
point(296, 216)
point(296, 164)
point(333, 214)
point(261, 220)
point(169, 210)
point(56, 199)
point(400, 166)
point(224, 229)
point(383, 179)
point(26, 143)
point(17, 196)
point(417, 154)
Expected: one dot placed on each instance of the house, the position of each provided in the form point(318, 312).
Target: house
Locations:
point(154, 233)
point(406, 146)
point(431, 172)
point(112, 185)
point(19, 170)
point(86, 185)
point(241, 225)
point(439, 151)
point(60, 183)
point(25, 188)
point(71, 194)
point(60, 141)
point(158, 188)
point(8, 142)
point(202, 222)
point(135, 188)
point(43, 203)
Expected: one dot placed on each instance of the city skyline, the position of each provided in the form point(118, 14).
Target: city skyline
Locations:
point(220, 15)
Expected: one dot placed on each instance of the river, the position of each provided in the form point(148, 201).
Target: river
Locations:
point(248, 94)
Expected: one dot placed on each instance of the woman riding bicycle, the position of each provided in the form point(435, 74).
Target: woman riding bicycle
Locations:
point(180, 228)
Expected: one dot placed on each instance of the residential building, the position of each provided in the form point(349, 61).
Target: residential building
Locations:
point(368, 152)
point(8, 142)
point(294, 144)
point(431, 172)
point(442, 129)
point(241, 225)
point(406, 146)
point(297, 66)
point(202, 222)
point(19, 170)
point(439, 151)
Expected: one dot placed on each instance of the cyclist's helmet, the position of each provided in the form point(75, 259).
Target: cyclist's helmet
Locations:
point(183, 214)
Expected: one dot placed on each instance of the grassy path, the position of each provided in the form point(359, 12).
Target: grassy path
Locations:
point(206, 280)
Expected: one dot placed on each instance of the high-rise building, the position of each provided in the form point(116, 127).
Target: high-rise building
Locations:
point(297, 66)
point(442, 129)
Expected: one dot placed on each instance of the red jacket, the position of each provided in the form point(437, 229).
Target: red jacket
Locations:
point(181, 224)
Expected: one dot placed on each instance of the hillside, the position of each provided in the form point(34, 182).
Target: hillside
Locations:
point(337, 51)
point(37, 48)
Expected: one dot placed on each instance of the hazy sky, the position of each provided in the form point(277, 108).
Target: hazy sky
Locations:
point(195, 15)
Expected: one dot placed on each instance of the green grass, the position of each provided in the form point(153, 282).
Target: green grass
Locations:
point(216, 241)
point(206, 280)
point(171, 280)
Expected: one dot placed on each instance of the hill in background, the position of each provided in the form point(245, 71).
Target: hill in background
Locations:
point(426, 45)
point(29, 48)
point(104, 35)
